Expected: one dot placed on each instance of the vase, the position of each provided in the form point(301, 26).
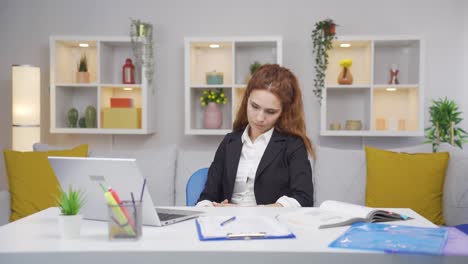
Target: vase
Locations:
point(345, 76)
point(70, 226)
point(82, 77)
point(212, 117)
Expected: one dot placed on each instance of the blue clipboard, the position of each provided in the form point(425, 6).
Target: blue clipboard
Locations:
point(239, 236)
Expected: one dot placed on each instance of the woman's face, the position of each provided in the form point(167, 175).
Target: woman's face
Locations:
point(263, 110)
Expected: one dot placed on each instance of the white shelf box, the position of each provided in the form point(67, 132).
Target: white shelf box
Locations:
point(68, 97)
point(113, 56)
point(404, 54)
point(360, 52)
point(67, 58)
point(396, 110)
point(197, 110)
point(344, 104)
point(204, 59)
point(247, 52)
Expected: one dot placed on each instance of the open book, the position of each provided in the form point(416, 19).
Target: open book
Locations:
point(335, 213)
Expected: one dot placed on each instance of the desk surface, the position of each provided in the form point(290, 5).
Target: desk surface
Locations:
point(36, 239)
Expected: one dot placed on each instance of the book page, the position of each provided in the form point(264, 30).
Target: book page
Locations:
point(348, 209)
point(319, 218)
point(210, 226)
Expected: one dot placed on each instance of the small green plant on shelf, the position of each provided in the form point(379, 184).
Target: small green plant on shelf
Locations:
point(322, 38)
point(70, 202)
point(445, 117)
point(254, 67)
point(83, 64)
point(210, 96)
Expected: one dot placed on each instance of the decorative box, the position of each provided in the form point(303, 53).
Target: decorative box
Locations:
point(214, 77)
point(124, 118)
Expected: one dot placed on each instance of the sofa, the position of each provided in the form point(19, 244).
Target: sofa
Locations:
point(338, 174)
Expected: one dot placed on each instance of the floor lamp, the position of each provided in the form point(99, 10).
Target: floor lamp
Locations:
point(26, 93)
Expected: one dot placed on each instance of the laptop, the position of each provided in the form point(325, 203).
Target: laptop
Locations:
point(123, 175)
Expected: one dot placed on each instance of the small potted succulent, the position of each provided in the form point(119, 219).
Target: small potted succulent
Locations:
point(70, 204)
point(213, 117)
point(82, 76)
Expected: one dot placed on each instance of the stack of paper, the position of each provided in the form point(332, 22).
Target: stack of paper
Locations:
point(243, 227)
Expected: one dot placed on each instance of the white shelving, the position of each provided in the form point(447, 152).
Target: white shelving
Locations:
point(106, 56)
point(233, 58)
point(384, 109)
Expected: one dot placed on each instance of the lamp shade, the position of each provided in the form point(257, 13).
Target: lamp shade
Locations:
point(26, 106)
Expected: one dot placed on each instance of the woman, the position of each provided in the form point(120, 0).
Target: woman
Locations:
point(264, 160)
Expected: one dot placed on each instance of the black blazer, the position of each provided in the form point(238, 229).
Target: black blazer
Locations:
point(283, 170)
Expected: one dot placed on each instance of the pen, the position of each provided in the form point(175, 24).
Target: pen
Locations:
point(227, 221)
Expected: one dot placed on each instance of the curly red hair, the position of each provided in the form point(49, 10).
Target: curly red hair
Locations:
point(284, 85)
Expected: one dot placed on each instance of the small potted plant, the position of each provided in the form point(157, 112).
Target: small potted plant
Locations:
point(82, 76)
point(213, 117)
point(70, 204)
point(322, 37)
point(253, 68)
point(444, 119)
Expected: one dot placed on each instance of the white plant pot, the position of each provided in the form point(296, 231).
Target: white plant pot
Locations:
point(70, 226)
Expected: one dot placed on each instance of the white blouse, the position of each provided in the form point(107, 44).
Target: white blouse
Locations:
point(251, 155)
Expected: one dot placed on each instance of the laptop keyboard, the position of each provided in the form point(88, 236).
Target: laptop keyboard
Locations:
point(165, 217)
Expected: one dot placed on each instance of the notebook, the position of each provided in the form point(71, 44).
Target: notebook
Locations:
point(123, 176)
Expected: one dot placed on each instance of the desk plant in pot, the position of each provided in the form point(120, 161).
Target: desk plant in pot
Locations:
point(322, 37)
point(70, 204)
point(445, 117)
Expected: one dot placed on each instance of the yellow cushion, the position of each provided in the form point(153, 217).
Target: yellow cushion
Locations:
point(31, 179)
point(407, 180)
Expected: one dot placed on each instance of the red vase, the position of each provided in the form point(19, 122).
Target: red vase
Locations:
point(128, 72)
point(212, 117)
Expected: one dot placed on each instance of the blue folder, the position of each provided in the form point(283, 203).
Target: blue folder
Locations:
point(393, 238)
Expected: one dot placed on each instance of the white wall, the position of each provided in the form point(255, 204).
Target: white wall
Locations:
point(25, 27)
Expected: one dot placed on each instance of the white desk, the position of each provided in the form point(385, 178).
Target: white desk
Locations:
point(36, 239)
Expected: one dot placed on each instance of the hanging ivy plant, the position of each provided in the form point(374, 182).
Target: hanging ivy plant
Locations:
point(322, 37)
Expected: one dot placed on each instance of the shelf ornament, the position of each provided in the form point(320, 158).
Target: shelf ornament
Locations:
point(444, 118)
point(322, 37)
point(345, 76)
point(141, 34)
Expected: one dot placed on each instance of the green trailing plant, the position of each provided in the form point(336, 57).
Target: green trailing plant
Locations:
point(445, 117)
point(83, 64)
point(70, 202)
point(141, 36)
point(254, 67)
point(210, 96)
point(322, 38)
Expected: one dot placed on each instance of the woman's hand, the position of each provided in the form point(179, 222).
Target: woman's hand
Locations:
point(224, 203)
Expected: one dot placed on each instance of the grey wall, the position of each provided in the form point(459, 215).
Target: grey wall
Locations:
point(25, 27)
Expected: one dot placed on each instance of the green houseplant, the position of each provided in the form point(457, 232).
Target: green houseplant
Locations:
point(252, 68)
point(445, 117)
point(70, 204)
point(322, 37)
point(82, 76)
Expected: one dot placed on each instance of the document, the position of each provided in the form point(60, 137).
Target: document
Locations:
point(240, 227)
point(334, 213)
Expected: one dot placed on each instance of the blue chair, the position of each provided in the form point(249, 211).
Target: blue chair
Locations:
point(195, 186)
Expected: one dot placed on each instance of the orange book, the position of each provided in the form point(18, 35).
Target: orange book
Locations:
point(121, 102)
